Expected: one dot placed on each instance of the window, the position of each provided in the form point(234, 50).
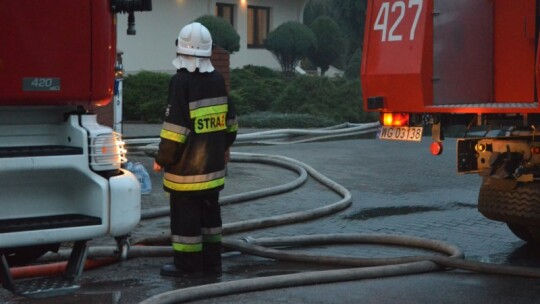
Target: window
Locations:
point(258, 25)
point(225, 11)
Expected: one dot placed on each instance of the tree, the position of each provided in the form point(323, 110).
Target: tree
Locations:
point(290, 42)
point(351, 15)
point(223, 34)
point(314, 9)
point(352, 69)
point(329, 42)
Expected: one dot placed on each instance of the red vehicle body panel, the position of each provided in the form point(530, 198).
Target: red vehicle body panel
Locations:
point(397, 70)
point(451, 56)
point(48, 61)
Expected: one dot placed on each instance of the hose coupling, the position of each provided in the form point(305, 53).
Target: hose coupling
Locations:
point(248, 239)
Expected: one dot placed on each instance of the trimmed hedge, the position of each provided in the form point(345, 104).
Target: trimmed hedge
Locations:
point(338, 99)
point(223, 34)
point(263, 97)
point(330, 43)
point(254, 88)
point(145, 96)
point(290, 43)
point(272, 120)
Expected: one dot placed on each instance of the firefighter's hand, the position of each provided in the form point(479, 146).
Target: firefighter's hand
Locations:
point(157, 168)
point(227, 155)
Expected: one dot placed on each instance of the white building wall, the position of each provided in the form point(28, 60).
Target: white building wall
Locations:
point(153, 47)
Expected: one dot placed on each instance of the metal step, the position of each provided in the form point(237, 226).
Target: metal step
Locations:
point(34, 151)
point(48, 222)
point(45, 287)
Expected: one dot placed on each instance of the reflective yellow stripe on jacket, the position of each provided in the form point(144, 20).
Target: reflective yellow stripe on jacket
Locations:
point(174, 132)
point(194, 182)
point(232, 125)
point(208, 106)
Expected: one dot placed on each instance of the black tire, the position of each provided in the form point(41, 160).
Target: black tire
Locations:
point(523, 233)
point(520, 205)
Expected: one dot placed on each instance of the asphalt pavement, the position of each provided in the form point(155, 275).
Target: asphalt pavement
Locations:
point(398, 188)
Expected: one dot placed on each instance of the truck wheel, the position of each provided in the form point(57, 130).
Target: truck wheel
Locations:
point(529, 234)
point(518, 207)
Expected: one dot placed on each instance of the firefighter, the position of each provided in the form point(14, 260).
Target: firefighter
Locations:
point(199, 127)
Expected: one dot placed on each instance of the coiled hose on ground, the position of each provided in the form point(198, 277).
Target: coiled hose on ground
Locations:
point(370, 268)
point(363, 268)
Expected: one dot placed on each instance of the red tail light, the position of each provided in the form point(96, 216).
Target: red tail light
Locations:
point(436, 148)
point(395, 119)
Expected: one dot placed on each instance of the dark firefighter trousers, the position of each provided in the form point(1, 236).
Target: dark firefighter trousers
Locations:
point(196, 232)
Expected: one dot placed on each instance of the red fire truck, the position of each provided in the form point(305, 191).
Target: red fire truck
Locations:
point(61, 179)
point(443, 63)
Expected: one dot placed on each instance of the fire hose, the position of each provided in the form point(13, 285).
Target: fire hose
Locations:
point(362, 268)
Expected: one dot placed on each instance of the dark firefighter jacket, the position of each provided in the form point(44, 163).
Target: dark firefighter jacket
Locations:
point(200, 125)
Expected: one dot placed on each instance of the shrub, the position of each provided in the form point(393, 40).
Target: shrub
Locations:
point(306, 101)
point(257, 86)
point(280, 120)
point(241, 103)
point(290, 42)
point(260, 71)
point(145, 96)
point(353, 66)
point(305, 94)
point(223, 34)
point(335, 99)
point(347, 102)
point(330, 43)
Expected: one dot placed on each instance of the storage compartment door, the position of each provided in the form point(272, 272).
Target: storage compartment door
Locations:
point(462, 52)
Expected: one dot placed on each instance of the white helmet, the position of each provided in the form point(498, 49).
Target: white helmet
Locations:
point(194, 48)
point(194, 40)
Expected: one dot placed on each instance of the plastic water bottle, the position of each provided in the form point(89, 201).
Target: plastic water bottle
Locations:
point(142, 175)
